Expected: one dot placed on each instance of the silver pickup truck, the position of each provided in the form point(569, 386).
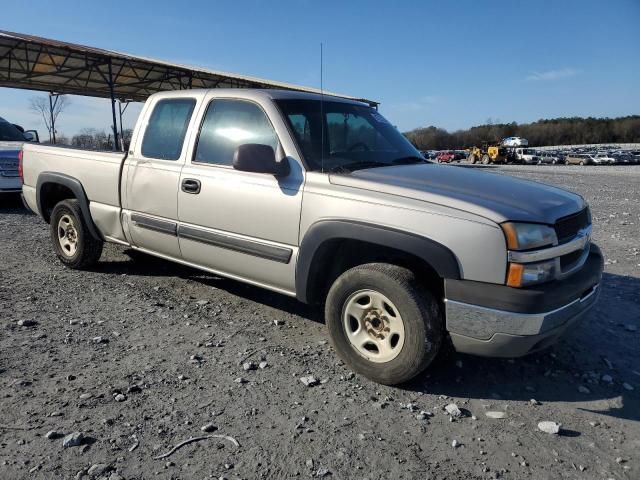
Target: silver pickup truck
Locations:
point(322, 199)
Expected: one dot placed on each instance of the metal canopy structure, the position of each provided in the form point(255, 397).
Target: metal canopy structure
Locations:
point(36, 63)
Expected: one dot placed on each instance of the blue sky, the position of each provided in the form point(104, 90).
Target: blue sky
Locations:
point(451, 64)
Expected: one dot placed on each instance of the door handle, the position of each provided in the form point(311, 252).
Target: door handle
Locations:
point(189, 185)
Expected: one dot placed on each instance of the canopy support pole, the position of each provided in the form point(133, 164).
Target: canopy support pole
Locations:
point(121, 112)
point(113, 108)
point(52, 122)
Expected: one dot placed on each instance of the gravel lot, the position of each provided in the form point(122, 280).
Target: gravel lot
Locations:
point(141, 354)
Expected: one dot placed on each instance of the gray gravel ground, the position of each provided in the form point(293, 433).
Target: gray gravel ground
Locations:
point(141, 354)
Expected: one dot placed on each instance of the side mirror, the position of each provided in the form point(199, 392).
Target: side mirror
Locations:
point(257, 158)
point(32, 136)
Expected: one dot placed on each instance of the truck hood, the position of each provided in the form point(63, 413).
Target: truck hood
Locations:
point(493, 196)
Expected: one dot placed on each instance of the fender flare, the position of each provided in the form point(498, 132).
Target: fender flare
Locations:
point(439, 257)
point(75, 186)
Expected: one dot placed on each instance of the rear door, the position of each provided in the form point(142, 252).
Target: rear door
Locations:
point(150, 203)
point(241, 224)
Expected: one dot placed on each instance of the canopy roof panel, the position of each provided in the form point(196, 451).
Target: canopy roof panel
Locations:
point(36, 63)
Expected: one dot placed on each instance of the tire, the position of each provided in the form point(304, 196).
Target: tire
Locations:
point(486, 160)
point(405, 301)
point(73, 243)
point(472, 159)
point(582, 163)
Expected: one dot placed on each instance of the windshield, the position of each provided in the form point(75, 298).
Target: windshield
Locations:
point(9, 133)
point(355, 136)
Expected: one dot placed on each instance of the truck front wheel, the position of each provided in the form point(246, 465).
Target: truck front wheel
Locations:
point(383, 322)
point(73, 243)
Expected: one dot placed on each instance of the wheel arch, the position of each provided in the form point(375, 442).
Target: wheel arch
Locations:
point(319, 255)
point(53, 187)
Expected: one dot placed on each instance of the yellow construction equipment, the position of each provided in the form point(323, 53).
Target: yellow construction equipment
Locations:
point(488, 153)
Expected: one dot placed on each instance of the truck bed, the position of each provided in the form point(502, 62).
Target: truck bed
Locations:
point(98, 172)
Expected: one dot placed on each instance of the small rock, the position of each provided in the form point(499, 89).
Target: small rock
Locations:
point(241, 380)
point(202, 303)
point(583, 389)
point(182, 377)
point(322, 472)
point(453, 410)
point(277, 323)
point(120, 397)
point(309, 463)
point(100, 340)
point(309, 381)
point(263, 365)
point(209, 427)
point(85, 396)
point(496, 415)
point(52, 435)
point(533, 401)
point(27, 323)
point(455, 443)
point(549, 427)
point(73, 440)
point(627, 386)
point(98, 469)
point(249, 366)
point(607, 378)
point(134, 389)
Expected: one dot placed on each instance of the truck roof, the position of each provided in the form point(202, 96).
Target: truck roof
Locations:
point(254, 93)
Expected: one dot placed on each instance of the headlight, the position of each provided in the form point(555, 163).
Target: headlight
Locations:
point(525, 236)
point(525, 274)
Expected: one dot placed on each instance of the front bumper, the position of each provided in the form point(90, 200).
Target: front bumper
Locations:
point(499, 321)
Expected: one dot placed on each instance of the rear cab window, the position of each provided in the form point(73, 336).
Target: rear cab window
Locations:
point(167, 127)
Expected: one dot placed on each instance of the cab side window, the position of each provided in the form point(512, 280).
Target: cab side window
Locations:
point(164, 135)
point(228, 124)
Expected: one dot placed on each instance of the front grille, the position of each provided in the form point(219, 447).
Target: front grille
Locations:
point(568, 227)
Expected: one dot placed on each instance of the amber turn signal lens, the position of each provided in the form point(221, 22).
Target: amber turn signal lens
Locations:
point(511, 235)
point(514, 277)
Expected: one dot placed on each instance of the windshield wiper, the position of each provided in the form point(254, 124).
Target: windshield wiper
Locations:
point(350, 167)
point(408, 160)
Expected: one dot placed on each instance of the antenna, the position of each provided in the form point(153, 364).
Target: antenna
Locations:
point(321, 113)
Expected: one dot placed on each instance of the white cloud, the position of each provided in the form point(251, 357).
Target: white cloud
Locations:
point(552, 74)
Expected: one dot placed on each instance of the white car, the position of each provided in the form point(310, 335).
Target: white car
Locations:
point(515, 142)
point(603, 158)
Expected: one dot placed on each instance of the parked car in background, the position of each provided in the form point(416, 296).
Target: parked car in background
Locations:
point(604, 158)
point(446, 157)
point(514, 142)
point(525, 155)
point(11, 139)
point(548, 158)
point(459, 155)
point(584, 159)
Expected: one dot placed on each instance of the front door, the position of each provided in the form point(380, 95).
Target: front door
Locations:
point(241, 224)
point(153, 176)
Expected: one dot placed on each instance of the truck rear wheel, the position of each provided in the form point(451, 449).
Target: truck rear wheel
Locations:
point(486, 160)
point(383, 323)
point(73, 243)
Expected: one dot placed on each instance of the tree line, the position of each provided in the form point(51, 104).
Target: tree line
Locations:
point(557, 131)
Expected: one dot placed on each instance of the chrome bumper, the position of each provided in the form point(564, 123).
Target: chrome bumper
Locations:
point(498, 333)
